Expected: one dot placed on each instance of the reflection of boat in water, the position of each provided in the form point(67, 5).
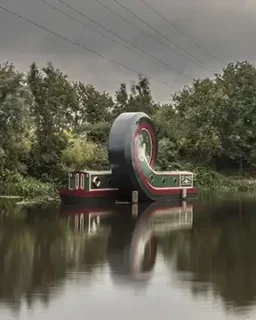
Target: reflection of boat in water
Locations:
point(87, 220)
point(162, 217)
point(131, 233)
point(157, 219)
point(132, 249)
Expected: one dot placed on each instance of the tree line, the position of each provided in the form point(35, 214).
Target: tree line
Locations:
point(50, 124)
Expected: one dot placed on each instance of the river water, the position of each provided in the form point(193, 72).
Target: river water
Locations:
point(180, 261)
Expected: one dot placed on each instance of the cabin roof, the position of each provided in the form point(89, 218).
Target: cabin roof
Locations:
point(91, 172)
point(99, 172)
point(109, 172)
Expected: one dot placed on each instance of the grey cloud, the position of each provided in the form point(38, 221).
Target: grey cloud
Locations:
point(224, 27)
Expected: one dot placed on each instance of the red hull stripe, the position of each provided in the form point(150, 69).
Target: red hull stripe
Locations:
point(144, 180)
point(87, 194)
point(99, 193)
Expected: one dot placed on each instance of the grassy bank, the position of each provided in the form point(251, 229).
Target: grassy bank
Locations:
point(28, 189)
point(32, 190)
point(210, 180)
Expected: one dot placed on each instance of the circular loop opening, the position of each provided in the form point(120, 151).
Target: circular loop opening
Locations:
point(163, 181)
point(96, 181)
point(175, 180)
point(109, 180)
point(151, 177)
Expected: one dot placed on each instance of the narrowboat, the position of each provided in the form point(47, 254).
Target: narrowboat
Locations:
point(90, 187)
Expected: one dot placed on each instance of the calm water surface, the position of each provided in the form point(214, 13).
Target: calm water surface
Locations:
point(154, 262)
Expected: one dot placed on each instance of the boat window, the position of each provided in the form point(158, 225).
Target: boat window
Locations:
point(77, 181)
point(82, 181)
point(71, 181)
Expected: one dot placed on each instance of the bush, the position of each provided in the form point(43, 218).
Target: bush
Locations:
point(27, 187)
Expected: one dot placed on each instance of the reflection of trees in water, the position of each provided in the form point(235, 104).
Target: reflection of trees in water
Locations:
point(36, 254)
point(8, 208)
point(218, 254)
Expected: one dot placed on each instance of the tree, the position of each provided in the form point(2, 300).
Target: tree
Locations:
point(239, 84)
point(94, 106)
point(15, 125)
point(139, 100)
point(220, 115)
point(54, 110)
point(121, 100)
point(191, 122)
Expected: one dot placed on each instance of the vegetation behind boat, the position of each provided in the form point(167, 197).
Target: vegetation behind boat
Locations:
point(50, 125)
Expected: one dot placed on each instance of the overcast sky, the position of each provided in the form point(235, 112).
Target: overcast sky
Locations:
point(226, 28)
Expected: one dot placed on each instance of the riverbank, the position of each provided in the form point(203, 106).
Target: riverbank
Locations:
point(209, 180)
point(30, 190)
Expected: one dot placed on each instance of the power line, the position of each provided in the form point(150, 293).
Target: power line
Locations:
point(199, 62)
point(79, 45)
point(134, 25)
point(144, 53)
point(104, 35)
point(178, 29)
point(156, 60)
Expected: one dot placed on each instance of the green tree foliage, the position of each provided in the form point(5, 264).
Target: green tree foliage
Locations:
point(199, 108)
point(49, 125)
point(238, 136)
point(99, 132)
point(94, 106)
point(78, 153)
point(15, 125)
point(139, 100)
point(220, 115)
point(53, 110)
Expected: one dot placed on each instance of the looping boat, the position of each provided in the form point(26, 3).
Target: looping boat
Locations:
point(133, 149)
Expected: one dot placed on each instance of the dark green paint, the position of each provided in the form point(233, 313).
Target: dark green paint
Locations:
point(104, 181)
point(158, 177)
point(169, 180)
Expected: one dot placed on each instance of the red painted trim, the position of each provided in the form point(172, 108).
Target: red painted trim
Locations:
point(152, 242)
point(142, 225)
point(144, 180)
point(86, 194)
point(99, 193)
point(153, 137)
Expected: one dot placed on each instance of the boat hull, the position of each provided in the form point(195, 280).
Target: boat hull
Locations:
point(77, 197)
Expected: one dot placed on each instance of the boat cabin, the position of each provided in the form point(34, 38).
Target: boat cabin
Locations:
point(90, 180)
